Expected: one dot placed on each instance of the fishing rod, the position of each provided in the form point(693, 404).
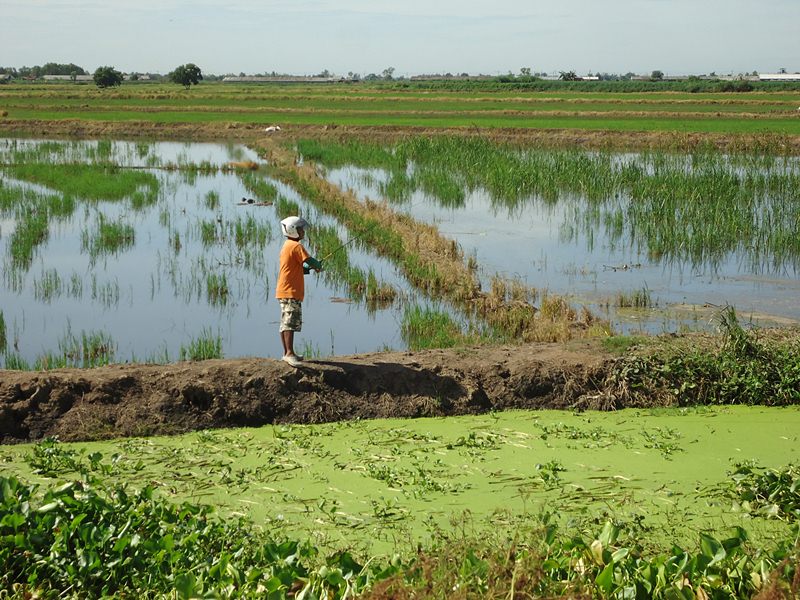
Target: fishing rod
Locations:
point(347, 243)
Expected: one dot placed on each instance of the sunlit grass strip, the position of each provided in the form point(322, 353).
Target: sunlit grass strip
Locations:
point(430, 262)
point(89, 181)
point(207, 346)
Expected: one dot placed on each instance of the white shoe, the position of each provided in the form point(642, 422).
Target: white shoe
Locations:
point(291, 359)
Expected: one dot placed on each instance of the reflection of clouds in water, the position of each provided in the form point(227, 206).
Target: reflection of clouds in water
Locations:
point(7, 226)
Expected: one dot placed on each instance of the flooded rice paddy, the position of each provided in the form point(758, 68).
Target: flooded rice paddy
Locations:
point(148, 251)
point(653, 242)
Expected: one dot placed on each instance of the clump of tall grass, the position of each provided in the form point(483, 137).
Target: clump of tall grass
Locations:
point(3, 334)
point(32, 230)
point(48, 287)
point(109, 237)
point(742, 366)
point(87, 350)
point(425, 327)
point(206, 346)
point(211, 200)
point(217, 289)
point(635, 299)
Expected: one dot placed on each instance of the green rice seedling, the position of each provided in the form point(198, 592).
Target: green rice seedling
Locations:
point(249, 232)
point(285, 207)
point(423, 328)
point(260, 187)
point(90, 350)
point(32, 230)
point(208, 233)
point(379, 293)
point(109, 237)
point(204, 347)
point(217, 289)
point(15, 362)
point(48, 287)
point(176, 242)
point(3, 334)
point(211, 200)
point(635, 299)
point(107, 294)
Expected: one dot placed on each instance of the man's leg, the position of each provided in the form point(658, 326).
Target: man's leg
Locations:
point(287, 338)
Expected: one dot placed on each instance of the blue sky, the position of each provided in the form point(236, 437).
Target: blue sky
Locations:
point(413, 36)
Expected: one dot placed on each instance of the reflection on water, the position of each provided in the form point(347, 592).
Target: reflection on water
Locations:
point(595, 249)
point(159, 258)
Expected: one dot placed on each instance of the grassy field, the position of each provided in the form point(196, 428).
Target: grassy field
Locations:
point(374, 105)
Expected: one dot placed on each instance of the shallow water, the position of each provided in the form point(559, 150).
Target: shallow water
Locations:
point(151, 299)
point(551, 247)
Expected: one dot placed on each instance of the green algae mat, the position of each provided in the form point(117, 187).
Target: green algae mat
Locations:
point(386, 486)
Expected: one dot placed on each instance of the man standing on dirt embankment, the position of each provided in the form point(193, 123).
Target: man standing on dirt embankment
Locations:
point(295, 262)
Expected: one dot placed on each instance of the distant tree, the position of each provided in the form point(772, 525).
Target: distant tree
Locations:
point(525, 71)
point(59, 69)
point(105, 77)
point(657, 75)
point(387, 73)
point(568, 76)
point(186, 75)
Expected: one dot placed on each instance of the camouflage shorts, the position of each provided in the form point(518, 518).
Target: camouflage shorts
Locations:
point(291, 315)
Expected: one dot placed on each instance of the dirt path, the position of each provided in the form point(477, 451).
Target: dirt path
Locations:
point(128, 400)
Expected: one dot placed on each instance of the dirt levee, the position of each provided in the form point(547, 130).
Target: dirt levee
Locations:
point(129, 400)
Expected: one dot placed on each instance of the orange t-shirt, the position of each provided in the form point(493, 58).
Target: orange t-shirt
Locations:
point(290, 276)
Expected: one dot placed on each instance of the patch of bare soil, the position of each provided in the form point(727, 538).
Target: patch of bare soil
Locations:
point(134, 400)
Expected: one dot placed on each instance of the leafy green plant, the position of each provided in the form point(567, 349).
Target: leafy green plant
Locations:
point(771, 493)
